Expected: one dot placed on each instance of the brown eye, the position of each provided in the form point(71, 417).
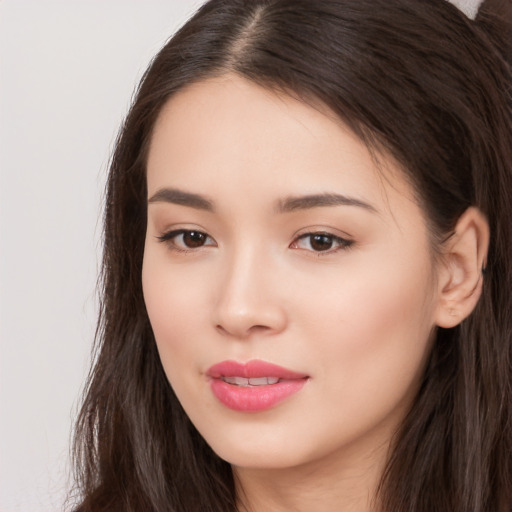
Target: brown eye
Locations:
point(321, 242)
point(186, 239)
point(193, 239)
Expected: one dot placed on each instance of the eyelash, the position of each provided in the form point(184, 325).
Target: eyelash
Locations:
point(170, 239)
point(342, 243)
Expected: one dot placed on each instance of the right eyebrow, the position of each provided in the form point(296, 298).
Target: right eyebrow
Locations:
point(176, 196)
point(294, 203)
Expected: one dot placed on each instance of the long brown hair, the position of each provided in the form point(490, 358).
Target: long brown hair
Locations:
point(415, 79)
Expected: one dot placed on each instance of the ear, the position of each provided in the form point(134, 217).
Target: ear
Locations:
point(460, 273)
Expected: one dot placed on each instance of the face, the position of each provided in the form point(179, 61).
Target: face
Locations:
point(288, 280)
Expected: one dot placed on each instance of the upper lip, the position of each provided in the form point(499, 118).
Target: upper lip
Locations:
point(252, 369)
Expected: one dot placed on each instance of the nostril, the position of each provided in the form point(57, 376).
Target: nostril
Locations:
point(242, 332)
point(260, 328)
point(220, 329)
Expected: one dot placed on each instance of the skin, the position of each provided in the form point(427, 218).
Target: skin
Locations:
point(357, 318)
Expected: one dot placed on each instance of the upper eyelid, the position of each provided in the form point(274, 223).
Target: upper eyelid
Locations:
point(177, 230)
point(168, 235)
point(320, 230)
point(324, 233)
point(310, 231)
point(341, 239)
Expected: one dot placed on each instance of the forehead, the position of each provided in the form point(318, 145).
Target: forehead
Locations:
point(231, 138)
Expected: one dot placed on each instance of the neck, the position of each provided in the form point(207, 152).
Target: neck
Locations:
point(337, 482)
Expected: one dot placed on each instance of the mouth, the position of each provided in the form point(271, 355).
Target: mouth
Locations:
point(256, 381)
point(253, 386)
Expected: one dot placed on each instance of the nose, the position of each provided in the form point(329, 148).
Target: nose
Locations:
point(249, 299)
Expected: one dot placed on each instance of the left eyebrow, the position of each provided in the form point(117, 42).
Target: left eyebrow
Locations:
point(176, 196)
point(294, 203)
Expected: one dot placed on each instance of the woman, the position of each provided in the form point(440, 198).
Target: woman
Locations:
point(306, 284)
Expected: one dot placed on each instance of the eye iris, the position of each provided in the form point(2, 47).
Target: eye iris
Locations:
point(321, 242)
point(194, 238)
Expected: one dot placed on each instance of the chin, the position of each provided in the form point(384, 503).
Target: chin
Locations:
point(256, 458)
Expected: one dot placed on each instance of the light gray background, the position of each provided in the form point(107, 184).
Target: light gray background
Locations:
point(68, 69)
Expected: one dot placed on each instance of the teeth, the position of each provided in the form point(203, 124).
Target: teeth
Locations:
point(238, 381)
point(263, 381)
point(255, 381)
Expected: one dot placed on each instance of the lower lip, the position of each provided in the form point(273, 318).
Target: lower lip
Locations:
point(254, 398)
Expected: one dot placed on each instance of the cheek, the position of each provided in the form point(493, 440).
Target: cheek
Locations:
point(375, 325)
point(175, 305)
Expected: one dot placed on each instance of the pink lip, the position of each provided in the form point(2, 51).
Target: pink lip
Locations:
point(253, 398)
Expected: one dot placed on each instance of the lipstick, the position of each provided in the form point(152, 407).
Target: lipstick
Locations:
point(253, 386)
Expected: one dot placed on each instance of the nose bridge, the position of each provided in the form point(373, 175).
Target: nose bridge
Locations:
point(247, 294)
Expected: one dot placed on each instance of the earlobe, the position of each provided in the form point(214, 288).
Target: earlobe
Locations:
point(460, 271)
